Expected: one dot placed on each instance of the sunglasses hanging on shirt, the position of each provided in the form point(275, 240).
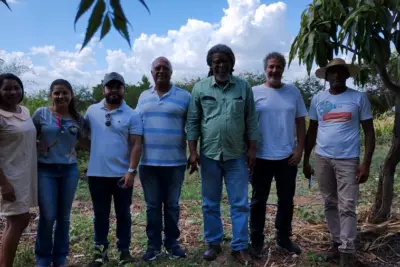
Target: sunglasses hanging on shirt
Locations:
point(60, 124)
point(108, 119)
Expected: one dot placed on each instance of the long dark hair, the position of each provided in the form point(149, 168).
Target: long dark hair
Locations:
point(10, 76)
point(72, 104)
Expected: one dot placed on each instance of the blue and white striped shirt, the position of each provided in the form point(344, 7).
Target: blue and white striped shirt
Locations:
point(164, 120)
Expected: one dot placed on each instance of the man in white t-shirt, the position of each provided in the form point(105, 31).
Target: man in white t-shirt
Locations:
point(281, 115)
point(335, 118)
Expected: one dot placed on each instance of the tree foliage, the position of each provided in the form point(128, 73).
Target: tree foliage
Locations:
point(133, 91)
point(16, 67)
point(366, 28)
point(105, 13)
point(309, 86)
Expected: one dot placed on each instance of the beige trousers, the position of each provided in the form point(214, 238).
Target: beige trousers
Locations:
point(339, 188)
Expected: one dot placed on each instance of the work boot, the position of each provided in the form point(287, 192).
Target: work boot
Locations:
point(256, 251)
point(176, 253)
point(347, 260)
point(212, 252)
point(151, 254)
point(242, 256)
point(99, 257)
point(333, 253)
point(288, 246)
point(125, 258)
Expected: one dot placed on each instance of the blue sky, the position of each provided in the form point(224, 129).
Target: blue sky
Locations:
point(49, 23)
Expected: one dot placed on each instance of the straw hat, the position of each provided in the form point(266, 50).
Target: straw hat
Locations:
point(352, 69)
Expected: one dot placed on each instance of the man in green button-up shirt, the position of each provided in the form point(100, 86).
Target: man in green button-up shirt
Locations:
point(222, 114)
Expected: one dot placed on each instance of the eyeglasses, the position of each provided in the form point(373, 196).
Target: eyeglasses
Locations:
point(108, 119)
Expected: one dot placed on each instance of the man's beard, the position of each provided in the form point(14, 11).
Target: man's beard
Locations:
point(113, 101)
point(273, 81)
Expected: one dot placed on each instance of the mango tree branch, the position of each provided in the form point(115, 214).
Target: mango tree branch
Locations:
point(387, 81)
point(348, 49)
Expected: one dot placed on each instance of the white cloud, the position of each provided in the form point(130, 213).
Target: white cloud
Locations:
point(250, 28)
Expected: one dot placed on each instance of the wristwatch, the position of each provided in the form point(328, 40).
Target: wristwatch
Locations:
point(132, 171)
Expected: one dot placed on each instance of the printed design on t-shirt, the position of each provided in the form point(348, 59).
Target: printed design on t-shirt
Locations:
point(325, 109)
point(44, 147)
point(72, 154)
point(73, 130)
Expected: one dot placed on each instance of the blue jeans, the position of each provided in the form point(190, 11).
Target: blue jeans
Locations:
point(102, 190)
point(236, 178)
point(162, 185)
point(56, 191)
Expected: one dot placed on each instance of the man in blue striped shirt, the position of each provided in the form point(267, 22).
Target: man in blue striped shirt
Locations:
point(163, 109)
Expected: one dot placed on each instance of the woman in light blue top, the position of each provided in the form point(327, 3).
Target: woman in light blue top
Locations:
point(59, 127)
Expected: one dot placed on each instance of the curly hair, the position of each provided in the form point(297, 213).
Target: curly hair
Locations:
point(274, 55)
point(220, 48)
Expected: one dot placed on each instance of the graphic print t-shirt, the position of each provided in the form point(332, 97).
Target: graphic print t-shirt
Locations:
point(57, 137)
point(339, 118)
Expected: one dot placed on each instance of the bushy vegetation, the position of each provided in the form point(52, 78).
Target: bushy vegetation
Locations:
point(308, 210)
point(308, 86)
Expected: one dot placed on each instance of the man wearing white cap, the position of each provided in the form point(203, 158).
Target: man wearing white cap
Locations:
point(335, 118)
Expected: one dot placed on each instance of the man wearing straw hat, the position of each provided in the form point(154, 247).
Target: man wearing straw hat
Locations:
point(335, 118)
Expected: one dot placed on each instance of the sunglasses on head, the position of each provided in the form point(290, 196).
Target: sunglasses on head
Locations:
point(108, 119)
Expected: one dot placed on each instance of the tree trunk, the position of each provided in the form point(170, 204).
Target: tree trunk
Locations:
point(384, 196)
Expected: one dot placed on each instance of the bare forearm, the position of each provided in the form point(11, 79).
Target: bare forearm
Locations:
point(3, 178)
point(309, 144)
point(301, 134)
point(369, 148)
point(192, 146)
point(136, 153)
point(252, 145)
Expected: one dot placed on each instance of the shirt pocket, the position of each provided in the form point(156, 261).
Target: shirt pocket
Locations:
point(237, 106)
point(209, 105)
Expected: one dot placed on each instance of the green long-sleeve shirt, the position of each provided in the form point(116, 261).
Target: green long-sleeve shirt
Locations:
point(223, 118)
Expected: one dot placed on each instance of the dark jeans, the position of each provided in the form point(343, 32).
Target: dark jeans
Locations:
point(56, 190)
point(285, 179)
point(162, 186)
point(102, 190)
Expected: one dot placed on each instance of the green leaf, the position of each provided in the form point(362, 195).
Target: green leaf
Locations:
point(380, 50)
point(144, 3)
point(293, 50)
point(94, 21)
point(120, 21)
point(83, 7)
point(310, 46)
point(320, 57)
point(121, 26)
point(5, 2)
point(396, 40)
point(106, 27)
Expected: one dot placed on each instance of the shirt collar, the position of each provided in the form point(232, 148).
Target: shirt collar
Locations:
point(122, 107)
point(22, 116)
point(214, 82)
point(171, 91)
